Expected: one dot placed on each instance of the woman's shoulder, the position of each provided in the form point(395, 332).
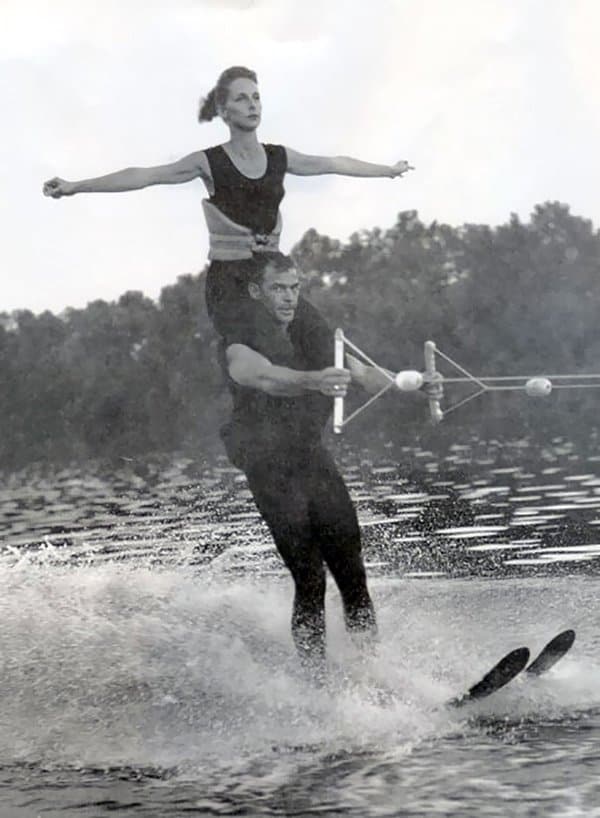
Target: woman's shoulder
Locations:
point(216, 158)
point(277, 154)
point(212, 149)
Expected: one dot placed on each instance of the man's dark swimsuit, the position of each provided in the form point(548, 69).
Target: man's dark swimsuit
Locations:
point(277, 442)
point(252, 203)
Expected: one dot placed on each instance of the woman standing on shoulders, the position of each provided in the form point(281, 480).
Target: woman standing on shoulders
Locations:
point(244, 180)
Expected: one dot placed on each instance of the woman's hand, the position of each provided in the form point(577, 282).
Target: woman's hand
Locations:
point(400, 168)
point(57, 187)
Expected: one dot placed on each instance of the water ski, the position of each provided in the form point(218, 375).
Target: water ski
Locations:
point(554, 650)
point(501, 674)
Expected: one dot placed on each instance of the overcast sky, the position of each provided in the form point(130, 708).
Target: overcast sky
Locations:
point(496, 103)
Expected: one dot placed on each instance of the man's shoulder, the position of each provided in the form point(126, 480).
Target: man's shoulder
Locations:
point(309, 341)
point(256, 329)
point(312, 334)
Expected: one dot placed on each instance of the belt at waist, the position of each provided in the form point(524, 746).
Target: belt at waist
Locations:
point(229, 241)
point(232, 248)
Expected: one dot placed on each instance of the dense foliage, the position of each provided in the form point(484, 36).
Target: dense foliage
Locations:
point(123, 378)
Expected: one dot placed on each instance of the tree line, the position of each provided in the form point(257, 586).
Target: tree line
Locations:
point(133, 376)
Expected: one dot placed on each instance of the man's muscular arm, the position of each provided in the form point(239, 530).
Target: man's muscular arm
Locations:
point(251, 369)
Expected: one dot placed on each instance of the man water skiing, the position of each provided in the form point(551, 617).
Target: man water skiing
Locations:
point(282, 393)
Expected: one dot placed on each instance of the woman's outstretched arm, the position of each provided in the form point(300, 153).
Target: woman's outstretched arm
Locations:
point(184, 170)
point(301, 164)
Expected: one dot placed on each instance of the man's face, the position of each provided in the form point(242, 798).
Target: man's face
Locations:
point(278, 293)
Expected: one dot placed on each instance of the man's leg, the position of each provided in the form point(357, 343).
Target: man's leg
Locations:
point(335, 529)
point(282, 500)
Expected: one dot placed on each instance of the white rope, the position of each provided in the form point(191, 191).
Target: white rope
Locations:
point(370, 361)
point(487, 383)
point(484, 378)
point(367, 403)
point(463, 401)
point(460, 368)
point(577, 386)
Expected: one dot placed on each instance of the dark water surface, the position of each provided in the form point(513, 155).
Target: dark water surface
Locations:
point(147, 666)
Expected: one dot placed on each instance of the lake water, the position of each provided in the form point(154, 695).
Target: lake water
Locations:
point(148, 669)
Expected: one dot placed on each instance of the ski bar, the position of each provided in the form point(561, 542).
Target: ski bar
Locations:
point(434, 405)
point(338, 362)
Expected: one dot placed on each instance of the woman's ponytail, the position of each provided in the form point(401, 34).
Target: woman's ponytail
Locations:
point(208, 107)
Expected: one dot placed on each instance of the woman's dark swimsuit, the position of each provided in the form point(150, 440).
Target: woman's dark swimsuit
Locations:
point(252, 204)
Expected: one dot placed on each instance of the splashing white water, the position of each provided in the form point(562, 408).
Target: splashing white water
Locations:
point(125, 664)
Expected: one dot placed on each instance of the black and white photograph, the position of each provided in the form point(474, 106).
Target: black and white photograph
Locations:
point(299, 408)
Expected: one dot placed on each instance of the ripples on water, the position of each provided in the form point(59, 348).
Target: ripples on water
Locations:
point(147, 664)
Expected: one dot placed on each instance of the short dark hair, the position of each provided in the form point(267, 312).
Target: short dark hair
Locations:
point(209, 105)
point(270, 258)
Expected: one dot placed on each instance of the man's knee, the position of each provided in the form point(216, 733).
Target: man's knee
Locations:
point(343, 556)
point(353, 581)
point(310, 582)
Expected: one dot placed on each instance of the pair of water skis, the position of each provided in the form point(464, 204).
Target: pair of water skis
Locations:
point(514, 663)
